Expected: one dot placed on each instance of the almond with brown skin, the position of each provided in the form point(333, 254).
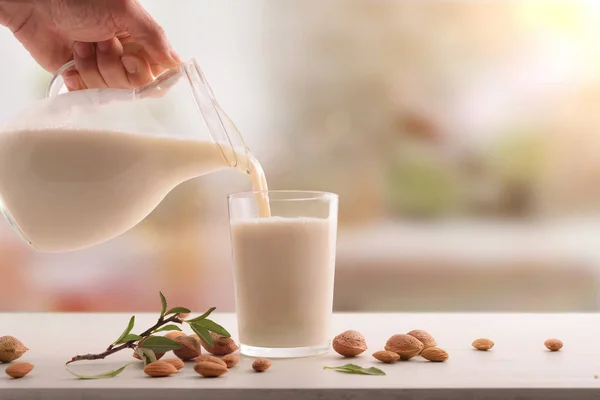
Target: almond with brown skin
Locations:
point(190, 348)
point(553, 344)
point(209, 358)
point(388, 357)
point(19, 370)
point(174, 334)
point(221, 345)
point(261, 364)
point(349, 343)
point(424, 337)
point(405, 346)
point(176, 362)
point(482, 344)
point(231, 359)
point(210, 369)
point(159, 369)
point(11, 349)
point(434, 354)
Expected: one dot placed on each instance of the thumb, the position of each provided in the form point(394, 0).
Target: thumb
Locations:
point(142, 29)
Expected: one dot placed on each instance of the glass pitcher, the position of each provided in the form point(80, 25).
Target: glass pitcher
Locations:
point(79, 168)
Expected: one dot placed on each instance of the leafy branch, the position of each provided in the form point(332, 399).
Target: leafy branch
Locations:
point(146, 345)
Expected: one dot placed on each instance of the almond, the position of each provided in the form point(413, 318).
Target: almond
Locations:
point(190, 347)
point(174, 334)
point(210, 369)
point(159, 369)
point(221, 345)
point(349, 343)
point(231, 359)
point(388, 357)
point(11, 349)
point(176, 362)
point(483, 344)
point(19, 370)
point(261, 364)
point(213, 359)
point(405, 346)
point(424, 337)
point(434, 354)
point(553, 344)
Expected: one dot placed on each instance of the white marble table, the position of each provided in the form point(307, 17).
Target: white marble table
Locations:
point(519, 366)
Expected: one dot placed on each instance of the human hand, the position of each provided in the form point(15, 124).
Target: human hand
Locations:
point(115, 43)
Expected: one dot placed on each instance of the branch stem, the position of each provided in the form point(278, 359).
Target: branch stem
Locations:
point(128, 345)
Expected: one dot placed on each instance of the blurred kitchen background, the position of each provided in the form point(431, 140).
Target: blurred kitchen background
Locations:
point(463, 138)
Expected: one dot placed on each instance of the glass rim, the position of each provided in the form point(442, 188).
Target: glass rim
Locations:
point(312, 194)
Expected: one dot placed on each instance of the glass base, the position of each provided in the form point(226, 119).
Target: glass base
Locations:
point(283, 352)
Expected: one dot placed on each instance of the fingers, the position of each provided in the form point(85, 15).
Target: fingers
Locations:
point(129, 46)
point(72, 80)
point(109, 53)
point(106, 64)
point(138, 70)
point(87, 65)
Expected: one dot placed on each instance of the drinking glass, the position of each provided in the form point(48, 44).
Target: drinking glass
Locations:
point(284, 271)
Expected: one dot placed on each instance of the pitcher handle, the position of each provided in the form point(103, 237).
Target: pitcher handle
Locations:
point(57, 84)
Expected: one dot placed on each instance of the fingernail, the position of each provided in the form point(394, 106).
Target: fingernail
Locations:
point(104, 45)
point(130, 64)
point(82, 49)
point(175, 56)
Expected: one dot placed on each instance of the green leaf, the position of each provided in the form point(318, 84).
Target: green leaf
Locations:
point(202, 333)
point(159, 344)
point(128, 338)
point(170, 327)
point(109, 374)
point(126, 331)
point(178, 310)
point(163, 301)
point(203, 316)
point(213, 327)
point(356, 369)
point(147, 355)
